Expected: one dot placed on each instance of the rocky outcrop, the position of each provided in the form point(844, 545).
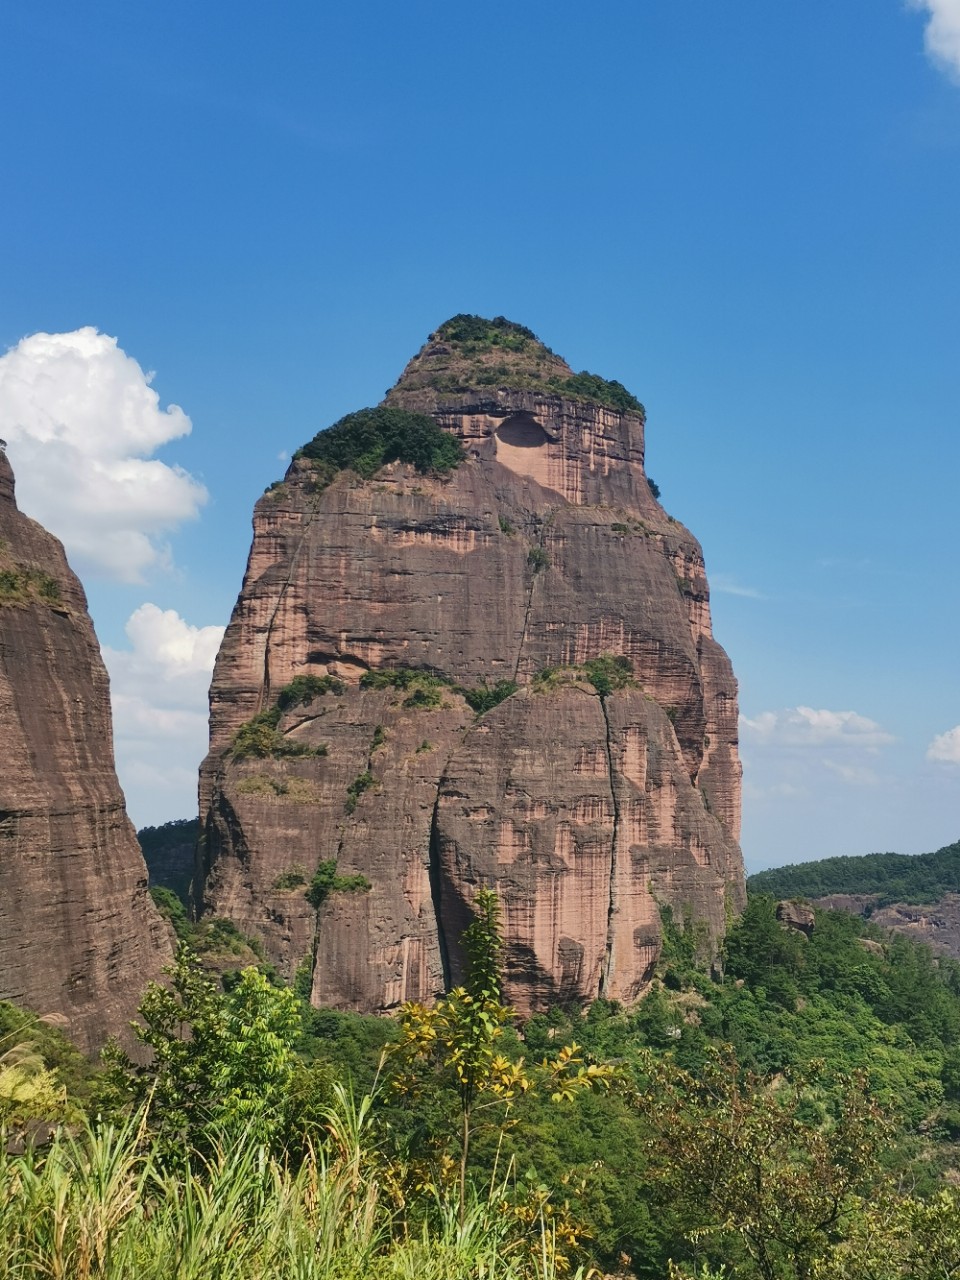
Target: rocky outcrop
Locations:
point(589, 799)
point(797, 916)
point(935, 923)
point(79, 935)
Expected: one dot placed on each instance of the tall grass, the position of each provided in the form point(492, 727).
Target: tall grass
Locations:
point(101, 1205)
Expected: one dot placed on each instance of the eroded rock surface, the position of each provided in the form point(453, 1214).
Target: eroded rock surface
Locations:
point(544, 549)
point(79, 934)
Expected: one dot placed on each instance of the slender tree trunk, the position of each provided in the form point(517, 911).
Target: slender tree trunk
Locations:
point(464, 1155)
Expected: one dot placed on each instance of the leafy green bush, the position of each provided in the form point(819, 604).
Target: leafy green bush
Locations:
point(261, 738)
point(486, 697)
point(608, 672)
point(170, 906)
point(19, 585)
point(424, 690)
point(590, 386)
point(257, 737)
point(295, 878)
point(367, 440)
point(537, 559)
point(654, 488)
point(478, 331)
point(302, 690)
point(326, 881)
point(357, 787)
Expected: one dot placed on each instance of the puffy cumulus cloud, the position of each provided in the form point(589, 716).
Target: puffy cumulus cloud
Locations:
point(807, 727)
point(942, 35)
point(82, 420)
point(946, 747)
point(159, 693)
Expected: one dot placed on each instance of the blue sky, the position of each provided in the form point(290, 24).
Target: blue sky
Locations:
point(746, 212)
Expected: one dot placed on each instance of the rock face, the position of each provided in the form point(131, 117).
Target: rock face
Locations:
point(589, 803)
point(79, 935)
point(796, 916)
point(935, 923)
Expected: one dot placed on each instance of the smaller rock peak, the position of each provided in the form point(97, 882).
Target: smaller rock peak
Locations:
point(471, 358)
point(7, 484)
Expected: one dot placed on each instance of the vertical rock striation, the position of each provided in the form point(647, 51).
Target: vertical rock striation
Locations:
point(590, 804)
point(79, 935)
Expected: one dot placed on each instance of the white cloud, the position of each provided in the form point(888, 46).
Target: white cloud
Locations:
point(82, 420)
point(726, 585)
point(806, 727)
point(941, 37)
point(159, 693)
point(856, 775)
point(946, 747)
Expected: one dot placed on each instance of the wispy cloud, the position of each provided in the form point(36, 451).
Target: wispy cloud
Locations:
point(856, 775)
point(807, 727)
point(941, 37)
point(727, 585)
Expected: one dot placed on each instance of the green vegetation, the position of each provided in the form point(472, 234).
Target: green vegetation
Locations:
point(608, 672)
point(357, 787)
point(20, 585)
point(173, 909)
point(505, 525)
point(367, 440)
point(472, 330)
point(893, 877)
point(537, 559)
point(488, 353)
point(794, 1119)
point(295, 878)
point(260, 737)
point(326, 881)
point(168, 852)
point(589, 386)
point(302, 690)
point(485, 697)
point(425, 690)
point(654, 488)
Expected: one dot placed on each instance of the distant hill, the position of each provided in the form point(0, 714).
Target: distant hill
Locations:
point(168, 851)
point(886, 877)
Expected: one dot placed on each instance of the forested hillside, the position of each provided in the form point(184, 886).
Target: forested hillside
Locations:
point(894, 877)
point(796, 1119)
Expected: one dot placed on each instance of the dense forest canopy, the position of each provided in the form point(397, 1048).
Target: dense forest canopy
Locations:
point(894, 877)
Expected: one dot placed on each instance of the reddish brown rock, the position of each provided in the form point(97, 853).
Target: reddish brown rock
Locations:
point(79, 935)
point(544, 548)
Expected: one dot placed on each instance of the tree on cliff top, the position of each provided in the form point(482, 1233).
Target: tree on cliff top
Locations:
point(367, 440)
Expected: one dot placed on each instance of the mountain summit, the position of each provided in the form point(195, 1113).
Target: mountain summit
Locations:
point(471, 648)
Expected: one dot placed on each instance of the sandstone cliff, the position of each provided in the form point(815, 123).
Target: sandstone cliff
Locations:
point(590, 797)
point(79, 935)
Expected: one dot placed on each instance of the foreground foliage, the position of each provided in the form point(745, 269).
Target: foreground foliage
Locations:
point(790, 1122)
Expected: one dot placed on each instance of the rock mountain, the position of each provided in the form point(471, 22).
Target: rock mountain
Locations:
point(79, 934)
point(471, 648)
